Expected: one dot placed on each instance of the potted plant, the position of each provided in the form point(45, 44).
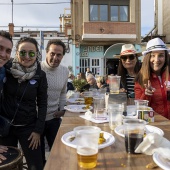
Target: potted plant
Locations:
point(79, 84)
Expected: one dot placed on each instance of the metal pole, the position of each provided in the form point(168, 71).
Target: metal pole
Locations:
point(12, 10)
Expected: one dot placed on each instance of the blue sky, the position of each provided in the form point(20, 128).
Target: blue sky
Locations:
point(147, 16)
point(38, 15)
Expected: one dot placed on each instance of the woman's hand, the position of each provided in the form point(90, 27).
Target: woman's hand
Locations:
point(35, 140)
point(149, 90)
point(122, 90)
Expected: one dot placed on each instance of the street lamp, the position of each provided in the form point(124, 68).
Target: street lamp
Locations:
point(12, 10)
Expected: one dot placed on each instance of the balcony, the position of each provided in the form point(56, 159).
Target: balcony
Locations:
point(109, 31)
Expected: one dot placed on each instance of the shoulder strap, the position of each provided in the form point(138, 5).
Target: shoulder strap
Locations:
point(19, 103)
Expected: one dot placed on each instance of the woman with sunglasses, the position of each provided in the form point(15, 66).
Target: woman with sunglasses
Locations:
point(128, 68)
point(25, 101)
point(153, 80)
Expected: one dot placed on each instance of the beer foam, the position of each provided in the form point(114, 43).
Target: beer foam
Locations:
point(86, 151)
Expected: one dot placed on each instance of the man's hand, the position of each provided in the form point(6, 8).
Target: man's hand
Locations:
point(2, 150)
point(35, 140)
point(59, 114)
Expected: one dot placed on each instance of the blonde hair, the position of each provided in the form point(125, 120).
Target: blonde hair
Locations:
point(100, 79)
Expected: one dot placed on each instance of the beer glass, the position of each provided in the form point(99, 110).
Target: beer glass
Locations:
point(87, 146)
point(88, 97)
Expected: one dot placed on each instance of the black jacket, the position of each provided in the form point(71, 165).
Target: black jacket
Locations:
point(33, 107)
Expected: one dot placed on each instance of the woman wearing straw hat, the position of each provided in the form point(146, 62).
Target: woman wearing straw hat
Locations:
point(153, 78)
point(128, 68)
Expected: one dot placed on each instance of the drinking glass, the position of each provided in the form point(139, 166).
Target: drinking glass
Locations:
point(99, 107)
point(87, 146)
point(141, 104)
point(88, 97)
point(134, 131)
point(114, 84)
point(115, 112)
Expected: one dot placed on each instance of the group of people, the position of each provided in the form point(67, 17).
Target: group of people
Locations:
point(33, 93)
point(149, 81)
point(28, 86)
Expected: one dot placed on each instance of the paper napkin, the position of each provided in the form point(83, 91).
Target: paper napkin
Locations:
point(90, 116)
point(153, 142)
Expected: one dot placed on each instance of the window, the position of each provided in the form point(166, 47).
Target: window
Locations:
point(119, 13)
point(109, 10)
point(98, 12)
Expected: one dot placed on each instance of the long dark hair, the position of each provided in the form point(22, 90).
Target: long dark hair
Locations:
point(122, 71)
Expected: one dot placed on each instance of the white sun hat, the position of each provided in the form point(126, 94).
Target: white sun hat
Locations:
point(128, 49)
point(155, 44)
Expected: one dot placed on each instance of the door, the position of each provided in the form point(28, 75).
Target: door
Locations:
point(95, 65)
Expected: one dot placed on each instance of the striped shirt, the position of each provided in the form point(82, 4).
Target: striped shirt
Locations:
point(130, 84)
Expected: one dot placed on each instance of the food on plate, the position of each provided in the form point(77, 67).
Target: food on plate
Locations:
point(151, 165)
point(86, 107)
point(71, 138)
point(101, 138)
point(79, 100)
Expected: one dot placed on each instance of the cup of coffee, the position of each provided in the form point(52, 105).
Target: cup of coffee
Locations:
point(134, 132)
point(87, 146)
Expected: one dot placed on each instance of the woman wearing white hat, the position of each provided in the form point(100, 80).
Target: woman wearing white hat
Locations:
point(128, 68)
point(152, 80)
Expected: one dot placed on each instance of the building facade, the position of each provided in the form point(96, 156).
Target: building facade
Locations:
point(99, 29)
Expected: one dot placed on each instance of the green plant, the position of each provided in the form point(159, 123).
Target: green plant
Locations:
point(79, 83)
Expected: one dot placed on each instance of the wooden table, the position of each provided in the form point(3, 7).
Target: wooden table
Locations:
point(63, 157)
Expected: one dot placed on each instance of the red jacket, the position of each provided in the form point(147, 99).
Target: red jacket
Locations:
point(158, 101)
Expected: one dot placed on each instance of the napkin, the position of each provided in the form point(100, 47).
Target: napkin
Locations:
point(89, 116)
point(153, 142)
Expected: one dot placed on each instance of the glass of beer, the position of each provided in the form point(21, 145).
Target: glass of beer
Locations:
point(88, 98)
point(87, 146)
point(134, 132)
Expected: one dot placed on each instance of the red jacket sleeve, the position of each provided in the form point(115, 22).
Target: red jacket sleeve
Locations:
point(140, 92)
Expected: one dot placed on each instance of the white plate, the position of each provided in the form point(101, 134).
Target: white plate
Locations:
point(75, 100)
point(76, 108)
point(66, 139)
point(148, 128)
point(161, 162)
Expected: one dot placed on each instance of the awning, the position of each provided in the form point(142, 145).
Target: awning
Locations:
point(113, 50)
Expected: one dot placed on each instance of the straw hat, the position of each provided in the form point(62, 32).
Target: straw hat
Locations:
point(155, 45)
point(128, 49)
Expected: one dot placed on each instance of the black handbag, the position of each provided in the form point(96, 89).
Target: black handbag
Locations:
point(5, 123)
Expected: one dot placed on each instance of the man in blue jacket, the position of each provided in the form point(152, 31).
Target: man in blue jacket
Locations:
point(6, 45)
point(5, 53)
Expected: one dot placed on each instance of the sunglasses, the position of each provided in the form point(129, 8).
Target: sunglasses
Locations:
point(130, 57)
point(23, 53)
